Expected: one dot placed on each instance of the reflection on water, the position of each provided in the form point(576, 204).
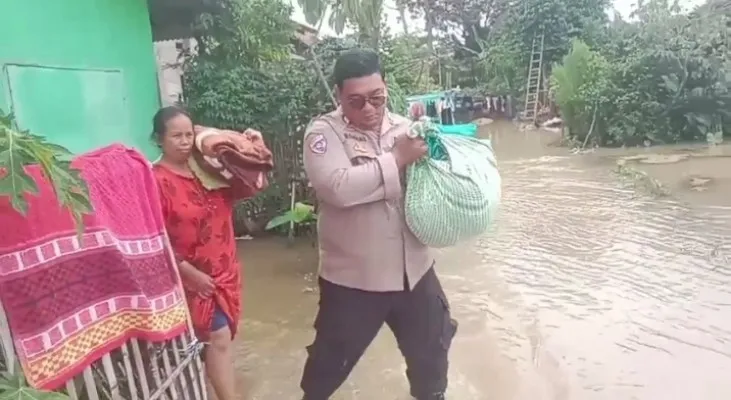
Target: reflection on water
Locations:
point(584, 290)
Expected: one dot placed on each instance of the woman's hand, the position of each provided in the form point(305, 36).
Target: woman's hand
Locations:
point(246, 143)
point(253, 134)
point(197, 280)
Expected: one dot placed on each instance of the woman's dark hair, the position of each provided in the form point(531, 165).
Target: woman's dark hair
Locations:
point(161, 118)
point(356, 63)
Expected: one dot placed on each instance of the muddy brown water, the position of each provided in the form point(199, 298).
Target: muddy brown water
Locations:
point(585, 289)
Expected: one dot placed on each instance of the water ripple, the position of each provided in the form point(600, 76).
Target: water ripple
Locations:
point(627, 292)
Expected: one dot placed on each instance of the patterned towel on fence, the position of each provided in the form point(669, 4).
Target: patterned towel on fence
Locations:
point(70, 300)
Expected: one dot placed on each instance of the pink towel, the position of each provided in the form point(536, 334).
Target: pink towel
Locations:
point(68, 300)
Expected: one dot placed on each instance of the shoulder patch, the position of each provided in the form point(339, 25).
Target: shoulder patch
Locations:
point(318, 144)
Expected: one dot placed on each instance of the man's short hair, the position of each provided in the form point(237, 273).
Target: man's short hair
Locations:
point(356, 63)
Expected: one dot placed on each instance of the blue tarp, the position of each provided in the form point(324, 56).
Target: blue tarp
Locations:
point(426, 97)
point(459, 129)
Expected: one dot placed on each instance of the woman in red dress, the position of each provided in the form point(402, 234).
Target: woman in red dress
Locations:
point(200, 226)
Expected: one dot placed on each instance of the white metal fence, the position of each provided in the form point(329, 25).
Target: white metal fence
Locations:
point(137, 370)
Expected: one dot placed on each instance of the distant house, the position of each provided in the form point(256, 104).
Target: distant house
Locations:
point(82, 72)
point(167, 52)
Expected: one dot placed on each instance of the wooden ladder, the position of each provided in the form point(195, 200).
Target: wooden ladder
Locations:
point(533, 86)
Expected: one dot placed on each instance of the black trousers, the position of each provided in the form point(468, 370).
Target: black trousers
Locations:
point(349, 319)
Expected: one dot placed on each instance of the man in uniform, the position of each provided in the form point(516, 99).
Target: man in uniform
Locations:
point(372, 268)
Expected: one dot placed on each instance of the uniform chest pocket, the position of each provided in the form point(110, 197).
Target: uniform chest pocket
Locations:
point(360, 151)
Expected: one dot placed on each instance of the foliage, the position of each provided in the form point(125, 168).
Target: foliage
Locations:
point(466, 22)
point(499, 70)
point(560, 21)
point(406, 60)
point(276, 99)
point(396, 97)
point(490, 40)
point(253, 31)
point(240, 78)
point(663, 77)
point(299, 214)
point(327, 51)
point(19, 149)
point(670, 76)
point(14, 386)
point(580, 83)
point(364, 15)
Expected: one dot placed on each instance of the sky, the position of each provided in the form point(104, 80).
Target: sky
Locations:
point(623, 6)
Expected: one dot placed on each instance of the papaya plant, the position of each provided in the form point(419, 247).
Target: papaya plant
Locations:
point(299, 214)
point(19, 149)
point(14, 386)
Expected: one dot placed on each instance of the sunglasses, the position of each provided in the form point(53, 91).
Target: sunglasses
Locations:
point(358, 102)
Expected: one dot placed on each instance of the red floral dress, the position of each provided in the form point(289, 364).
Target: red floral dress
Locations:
point(200, 226)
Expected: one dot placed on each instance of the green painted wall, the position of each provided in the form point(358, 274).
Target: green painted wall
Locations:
point(80, 72)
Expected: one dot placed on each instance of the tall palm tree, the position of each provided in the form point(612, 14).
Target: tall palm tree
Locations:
point(365, 15)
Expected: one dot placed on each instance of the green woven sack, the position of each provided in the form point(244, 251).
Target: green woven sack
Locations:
point(453, 193)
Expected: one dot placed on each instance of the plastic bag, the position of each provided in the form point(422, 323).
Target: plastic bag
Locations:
point(452, 194)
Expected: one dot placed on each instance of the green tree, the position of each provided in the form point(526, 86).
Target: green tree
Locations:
point(580, 83)
point(406, 60)
point(243, 75)
point(249, 31)
point(670, 78)
point(365, 15)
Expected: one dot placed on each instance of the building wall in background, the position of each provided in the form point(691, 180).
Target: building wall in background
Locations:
point(80, 72)
point(169, 74)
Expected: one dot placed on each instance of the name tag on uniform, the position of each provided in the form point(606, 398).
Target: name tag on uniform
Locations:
point(355, 137)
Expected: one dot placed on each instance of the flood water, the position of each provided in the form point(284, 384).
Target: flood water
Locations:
point(586, 289)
